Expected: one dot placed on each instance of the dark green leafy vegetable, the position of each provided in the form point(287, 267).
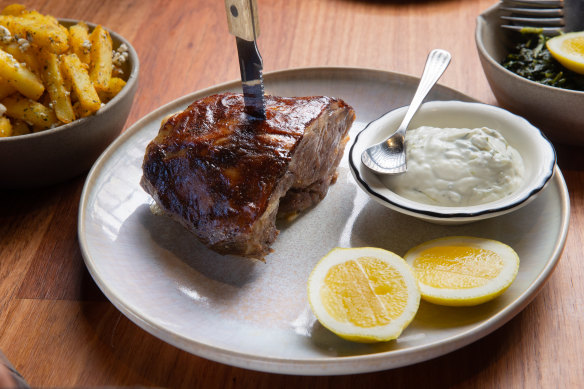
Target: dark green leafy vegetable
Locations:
point(531, 59)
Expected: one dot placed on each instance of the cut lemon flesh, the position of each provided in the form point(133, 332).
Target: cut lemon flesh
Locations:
point(568, 49)
point(462, 270)
point(363, 294)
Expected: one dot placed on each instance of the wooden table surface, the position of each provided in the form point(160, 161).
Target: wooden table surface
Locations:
point(60, 331)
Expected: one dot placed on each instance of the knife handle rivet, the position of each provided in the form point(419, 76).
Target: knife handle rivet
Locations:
point(233, 10)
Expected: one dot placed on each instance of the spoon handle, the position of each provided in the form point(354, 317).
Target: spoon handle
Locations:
point(436, 64)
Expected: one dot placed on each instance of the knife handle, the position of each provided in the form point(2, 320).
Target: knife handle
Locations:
point(242, 18)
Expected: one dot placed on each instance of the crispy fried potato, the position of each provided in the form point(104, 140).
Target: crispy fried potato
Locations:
point(27, 56)
point(14, 9)
point(6, 88)
point(25, 81)
point(5, 127)
point(41, 31)
point(38, 115)
point(101, 58)
point(81, 84)
point(79, 42)
point(39, 17)
point(114, 87)
point(60, 99)
point(19, 127)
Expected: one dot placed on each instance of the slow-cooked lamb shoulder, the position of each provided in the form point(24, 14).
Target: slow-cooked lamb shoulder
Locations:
point(225, 175)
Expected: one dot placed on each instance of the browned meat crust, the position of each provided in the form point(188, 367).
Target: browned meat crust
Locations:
point(222, 173)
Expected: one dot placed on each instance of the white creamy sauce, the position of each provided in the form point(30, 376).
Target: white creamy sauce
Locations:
point(457, 167)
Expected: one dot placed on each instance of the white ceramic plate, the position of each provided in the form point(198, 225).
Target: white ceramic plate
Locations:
point(255, 315)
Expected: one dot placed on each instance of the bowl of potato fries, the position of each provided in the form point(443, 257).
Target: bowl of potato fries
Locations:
point(66, 89)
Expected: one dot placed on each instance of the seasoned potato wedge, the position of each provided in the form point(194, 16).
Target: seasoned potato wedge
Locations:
point(101, 58)
point(58, 92)
point(6, 88)
point(81, 84)
point(41, 31)
point(114, 87)
point(19, 127)
point(14, 10)
point(79, 41)
point(33, 112)
point(5, 127)
point(29, 57)
point(19, 76)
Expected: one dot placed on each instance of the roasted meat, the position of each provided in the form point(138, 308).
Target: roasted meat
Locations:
point(225, 175)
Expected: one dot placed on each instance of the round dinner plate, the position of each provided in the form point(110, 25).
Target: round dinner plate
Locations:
point(255, 315)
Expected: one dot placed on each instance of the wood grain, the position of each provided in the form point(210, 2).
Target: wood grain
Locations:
point(59, 330)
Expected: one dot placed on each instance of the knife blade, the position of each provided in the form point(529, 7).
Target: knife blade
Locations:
point(242, 20)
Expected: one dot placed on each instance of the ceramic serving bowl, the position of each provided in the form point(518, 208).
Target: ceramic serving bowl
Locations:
point(557, 112)
point(536, 151)
point(63, 152)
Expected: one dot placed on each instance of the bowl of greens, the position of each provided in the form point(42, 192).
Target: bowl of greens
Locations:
point(527, 80)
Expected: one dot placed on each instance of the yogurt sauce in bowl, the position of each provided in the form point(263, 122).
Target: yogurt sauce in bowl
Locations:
point(457, 167)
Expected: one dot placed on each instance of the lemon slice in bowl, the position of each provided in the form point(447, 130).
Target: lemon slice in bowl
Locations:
point(363, 294)
point(461, 270)
point(568, 49)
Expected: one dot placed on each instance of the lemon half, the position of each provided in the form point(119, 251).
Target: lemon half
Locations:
point(363, 294)
point(462, 270)
point(568, 49)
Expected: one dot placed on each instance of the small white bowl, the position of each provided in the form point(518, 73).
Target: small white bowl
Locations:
point(537, 152)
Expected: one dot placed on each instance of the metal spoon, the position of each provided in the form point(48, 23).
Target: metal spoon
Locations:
point(389, 156)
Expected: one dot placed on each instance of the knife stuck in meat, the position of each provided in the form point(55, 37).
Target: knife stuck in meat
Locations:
point(230, 164)
point(242, 19)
